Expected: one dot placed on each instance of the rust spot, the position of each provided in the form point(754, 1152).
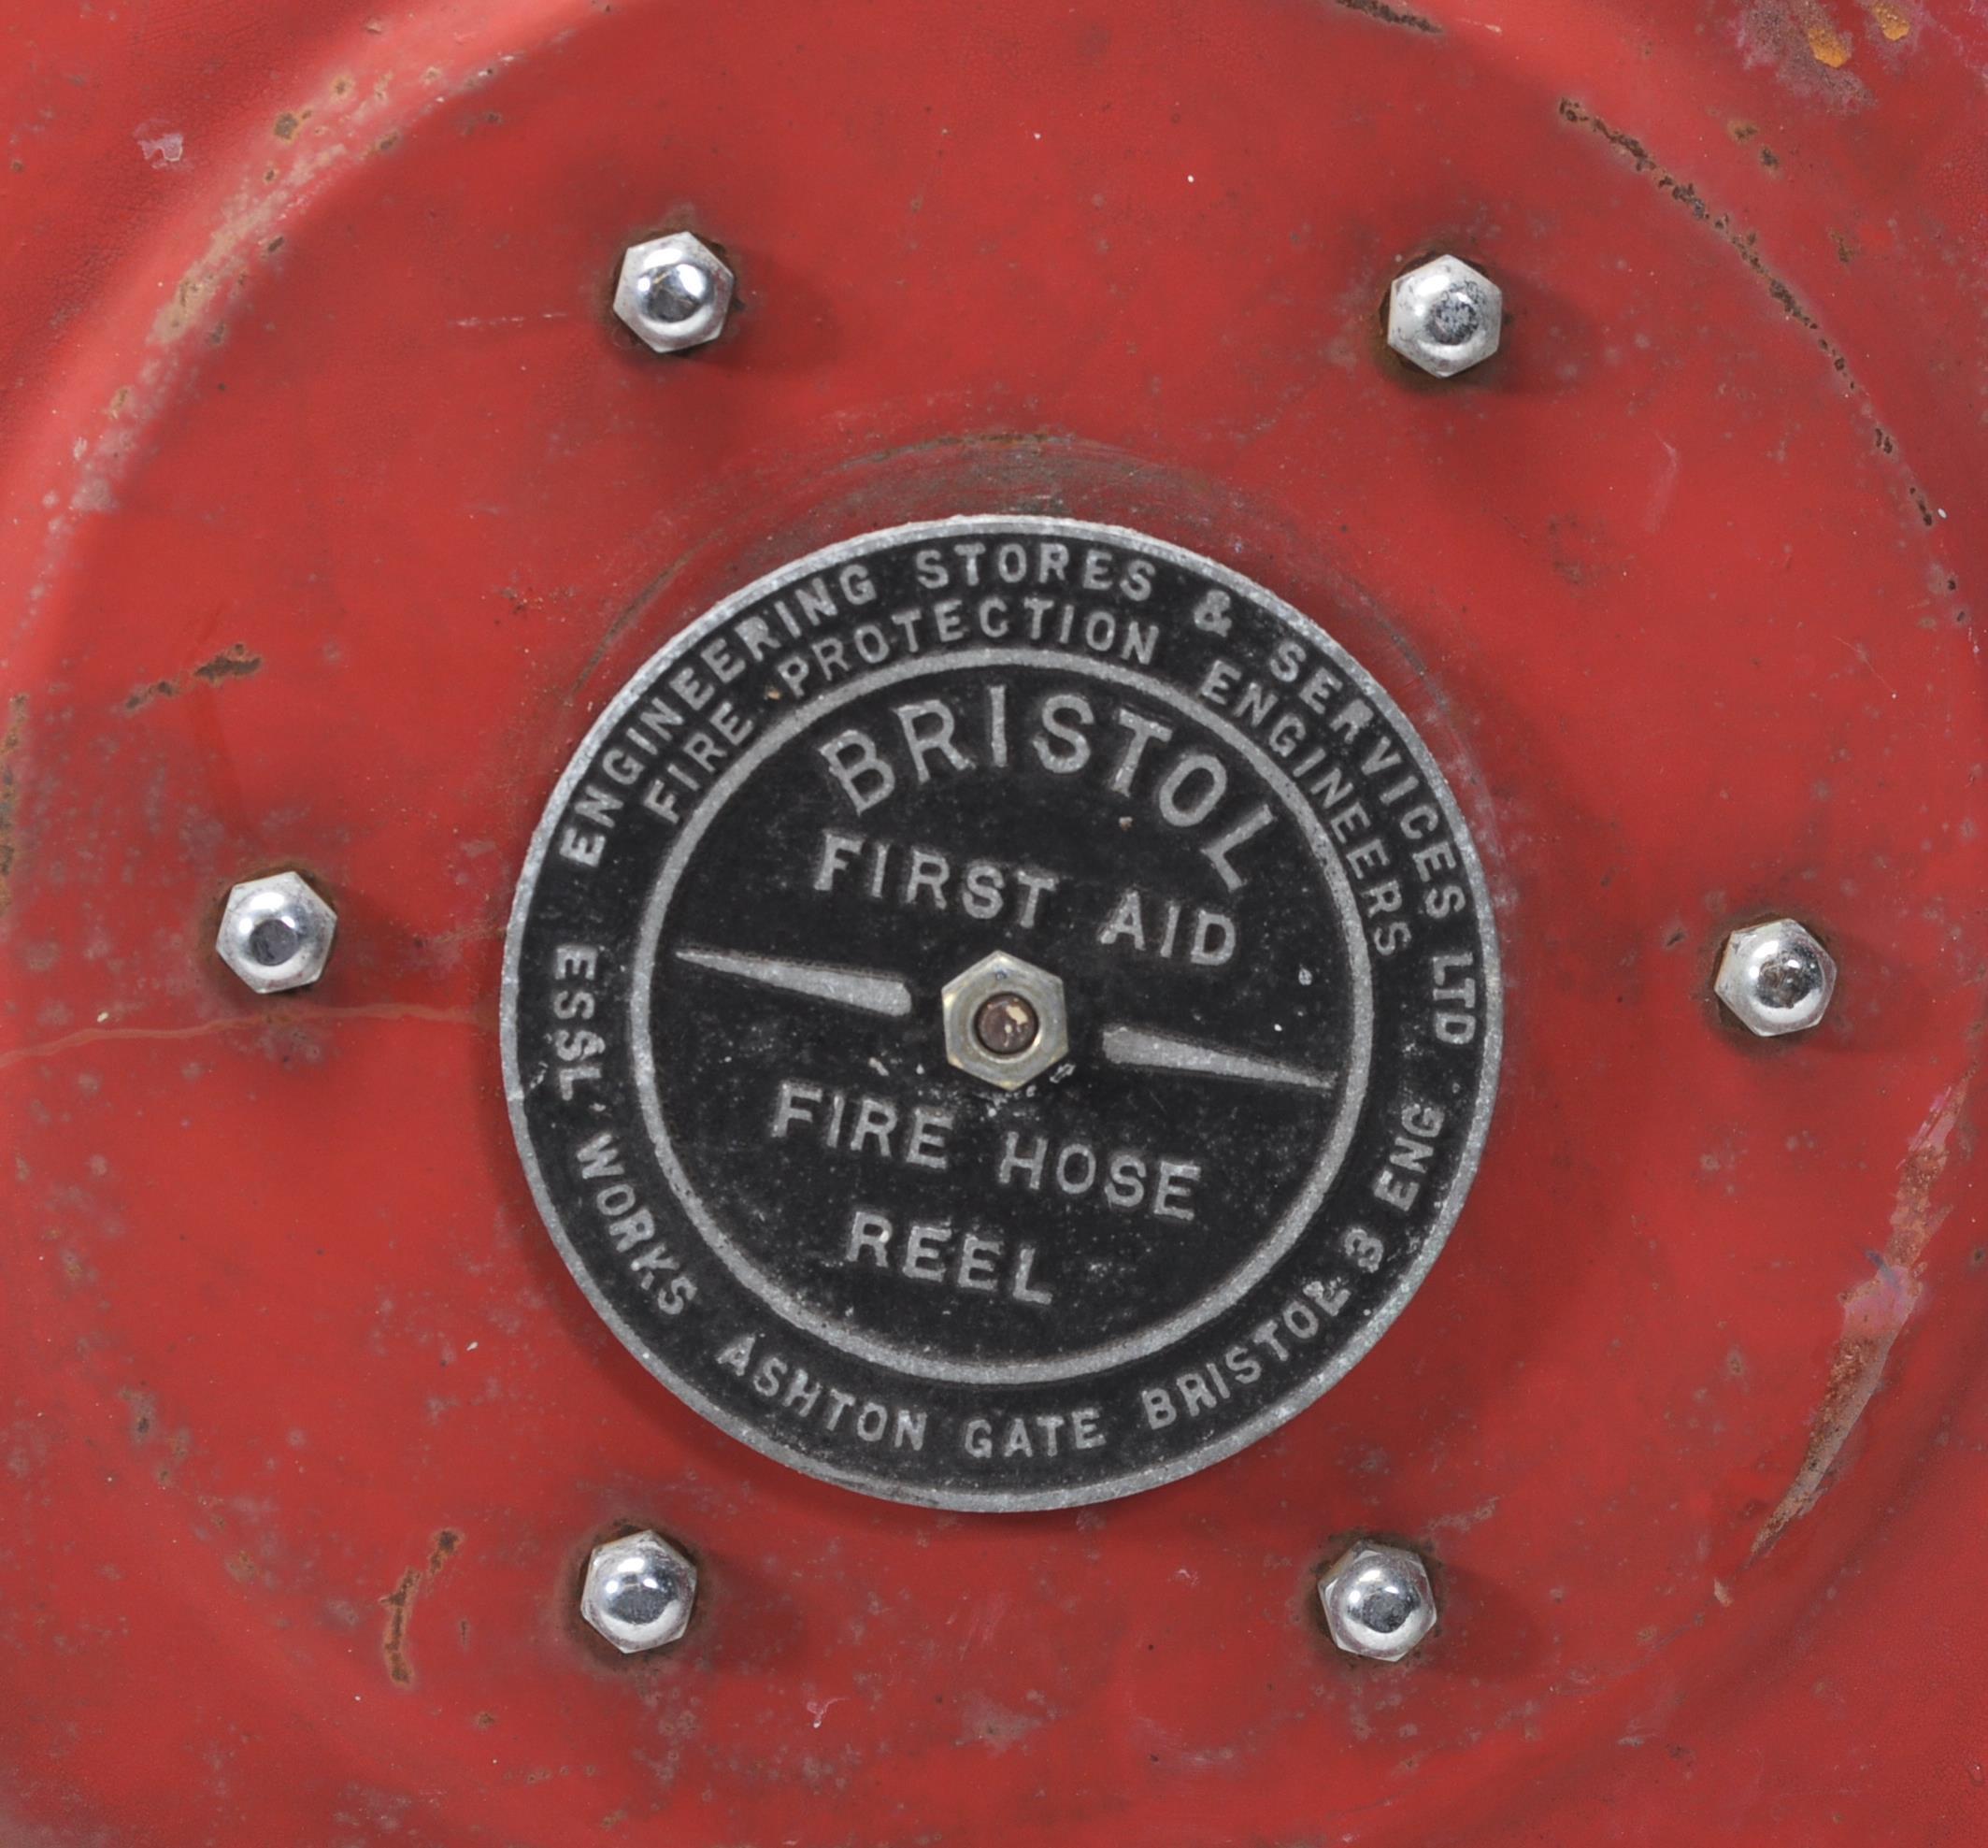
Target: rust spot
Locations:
point(227, 664)
point(286, 126)
point(399, 1603)
point(11, 746)
point(144, 696)
point(399, 1606)
point(230, 664)
point(1375, 9)
point(1827, 45)
point(1743, 131)
point(144, 1410)
point(1570, 550)
point(178, 315)
point(1890, 19)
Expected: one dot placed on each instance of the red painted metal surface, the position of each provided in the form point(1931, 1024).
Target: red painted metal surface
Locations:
point(335, 506)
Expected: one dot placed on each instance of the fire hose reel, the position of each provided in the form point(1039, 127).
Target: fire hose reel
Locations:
point(993, 924)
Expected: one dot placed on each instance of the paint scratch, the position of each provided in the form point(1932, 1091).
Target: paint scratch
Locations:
point(10, 743)
point(1664, 489)
point(163, 150)
point(1376, 9)
point(313, 150)
point(478, 1018)
point(1744, 243)
point(512, 320)
point(1875, 1312)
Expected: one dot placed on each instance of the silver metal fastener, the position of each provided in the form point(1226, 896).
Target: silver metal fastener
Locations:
point(1377, 1601)
point(638, 1592)
point(276, 933)
point(1444, 316)
point(1776, 978)
point(673, 292)
point(1005, 1021)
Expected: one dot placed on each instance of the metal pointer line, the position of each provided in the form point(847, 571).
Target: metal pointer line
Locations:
point(1138, 1047)
point(847, 988)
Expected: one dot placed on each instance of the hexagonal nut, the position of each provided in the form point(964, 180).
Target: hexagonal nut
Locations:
point(1377, 1601)
point(673, 292)
point(1005, 1021)
point(638, 1592)
point(1776, 978)
point(1444, 316)
point(276, 933)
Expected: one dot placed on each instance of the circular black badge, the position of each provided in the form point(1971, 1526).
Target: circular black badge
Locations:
point(1001, 1013)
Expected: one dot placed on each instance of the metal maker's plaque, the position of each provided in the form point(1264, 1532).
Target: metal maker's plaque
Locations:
point(1001, 1013)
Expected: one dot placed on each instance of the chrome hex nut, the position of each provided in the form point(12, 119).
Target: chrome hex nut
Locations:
point(276, 933)
point(1005, 1021)
point(1377, 1601)
point(1444, 316)
point(673, 292)
point(1776, 978)
point(638, 1592)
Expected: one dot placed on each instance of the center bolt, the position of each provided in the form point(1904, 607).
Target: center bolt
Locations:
point(1006, 1025)
point(1004, 1022)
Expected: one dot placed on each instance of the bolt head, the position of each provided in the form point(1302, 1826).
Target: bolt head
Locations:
point(276, 933)
point(1004, 1003)
point(1006, 1025)
point(1776, 978)
point(638, 1592)
point(673, 292)
point(1445, 317)
point(1377, 1601)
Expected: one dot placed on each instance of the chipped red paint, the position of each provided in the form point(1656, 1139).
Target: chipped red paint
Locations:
point(335, 506)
